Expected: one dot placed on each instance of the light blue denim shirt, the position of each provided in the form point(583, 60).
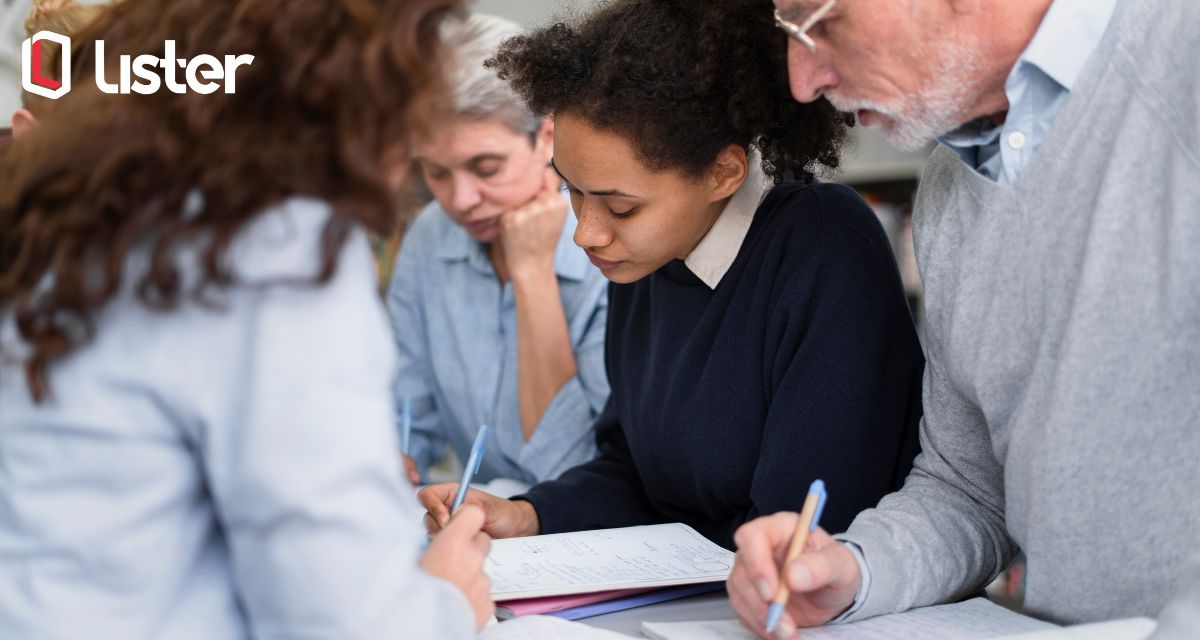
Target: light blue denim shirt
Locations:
point(1037, 88)
point(456, 332)
point(220, 471)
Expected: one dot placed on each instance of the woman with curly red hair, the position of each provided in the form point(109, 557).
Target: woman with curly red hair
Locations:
point(195, 419)
point(758, 334)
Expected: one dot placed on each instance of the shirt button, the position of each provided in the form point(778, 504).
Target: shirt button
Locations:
point(1016, 140)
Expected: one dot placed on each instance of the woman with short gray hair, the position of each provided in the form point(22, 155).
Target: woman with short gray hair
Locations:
point(498, 317)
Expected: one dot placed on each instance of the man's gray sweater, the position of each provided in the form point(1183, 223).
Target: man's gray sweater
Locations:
point(1062, 391)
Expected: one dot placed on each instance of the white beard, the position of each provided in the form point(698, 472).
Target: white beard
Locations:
point(937, 108)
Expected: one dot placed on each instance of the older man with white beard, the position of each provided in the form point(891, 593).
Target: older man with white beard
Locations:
point(1058, 233)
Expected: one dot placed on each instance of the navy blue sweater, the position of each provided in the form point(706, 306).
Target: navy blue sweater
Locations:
point(727, 403)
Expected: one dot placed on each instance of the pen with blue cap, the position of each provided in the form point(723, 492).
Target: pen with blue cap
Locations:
point(470, 468)
point(406, 426)
point(814, 504)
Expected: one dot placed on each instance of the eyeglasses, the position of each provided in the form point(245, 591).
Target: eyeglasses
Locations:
point(799, 32)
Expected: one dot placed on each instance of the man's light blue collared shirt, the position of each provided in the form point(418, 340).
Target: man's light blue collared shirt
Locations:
point(456, 332)
point(1037, 87)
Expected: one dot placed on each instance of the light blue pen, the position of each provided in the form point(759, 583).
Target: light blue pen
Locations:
point(470, 468)
point(406, 426)
point(814, 504)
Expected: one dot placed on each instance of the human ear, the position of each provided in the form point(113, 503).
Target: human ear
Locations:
point(543, 139)
point(727, 172)
point(22, 121)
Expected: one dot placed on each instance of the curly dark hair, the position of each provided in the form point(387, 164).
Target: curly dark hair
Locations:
point(681, 80)
point(333, 92)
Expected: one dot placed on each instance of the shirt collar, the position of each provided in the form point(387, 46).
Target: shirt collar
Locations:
point(1070, 31)
point(711, 259)
point(972, 135)
point(569, 260)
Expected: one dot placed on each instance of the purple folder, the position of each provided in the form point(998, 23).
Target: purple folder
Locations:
point(637, 600)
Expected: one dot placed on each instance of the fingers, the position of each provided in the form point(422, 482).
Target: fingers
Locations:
point(432, 527)
point(457, 555)
point(752, 612)
point(437, 500)
point(465, 525)
point(411, 470)
point(822, 581)
point(758, 544)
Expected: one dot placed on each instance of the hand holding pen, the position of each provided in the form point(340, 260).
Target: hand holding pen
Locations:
point(821, 582)
point(503, 518)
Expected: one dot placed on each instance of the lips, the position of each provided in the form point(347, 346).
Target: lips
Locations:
point(482, 225)
point(604, 265)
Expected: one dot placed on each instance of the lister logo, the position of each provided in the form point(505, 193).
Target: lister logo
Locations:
point(33, 78)
point(143, 74)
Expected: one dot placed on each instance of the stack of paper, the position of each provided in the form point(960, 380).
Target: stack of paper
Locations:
point(604, 560)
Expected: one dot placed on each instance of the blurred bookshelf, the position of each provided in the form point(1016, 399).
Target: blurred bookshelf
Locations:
point(887, 179)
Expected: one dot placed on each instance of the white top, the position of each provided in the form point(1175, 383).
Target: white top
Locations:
point(711, 259)
point(223, 472)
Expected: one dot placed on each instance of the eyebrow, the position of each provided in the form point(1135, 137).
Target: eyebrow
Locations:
point(484, 157)
point(604, 193)
point(472, 162)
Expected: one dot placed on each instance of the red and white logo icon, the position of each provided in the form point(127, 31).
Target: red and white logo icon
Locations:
point(34, 52)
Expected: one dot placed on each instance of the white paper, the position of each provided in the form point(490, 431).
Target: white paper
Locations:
point(1131, 629)
point(504, 487)
point(976, 619)
point(545, 628)
point(604, 559)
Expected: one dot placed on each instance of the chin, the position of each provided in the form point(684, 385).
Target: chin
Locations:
point(624, 275)
point(487, 236)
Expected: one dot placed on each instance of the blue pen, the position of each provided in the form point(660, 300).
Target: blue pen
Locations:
point(814, 504)
point(471, 468)
point(406, 426)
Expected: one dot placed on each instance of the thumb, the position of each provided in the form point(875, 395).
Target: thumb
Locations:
point(465, 523)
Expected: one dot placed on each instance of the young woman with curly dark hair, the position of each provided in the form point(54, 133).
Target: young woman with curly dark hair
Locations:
point(196, 433)
point(758, 334)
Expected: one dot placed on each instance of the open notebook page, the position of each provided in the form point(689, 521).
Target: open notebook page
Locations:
point(545, 628)
point(603, 560)
point(1131, 629)
point(975, 619)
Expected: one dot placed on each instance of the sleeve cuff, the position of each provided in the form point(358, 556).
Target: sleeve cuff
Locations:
point(863, 587)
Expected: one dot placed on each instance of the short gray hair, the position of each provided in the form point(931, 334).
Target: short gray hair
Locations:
point(478, 93)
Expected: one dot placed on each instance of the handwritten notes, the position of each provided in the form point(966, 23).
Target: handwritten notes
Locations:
point(604, 559)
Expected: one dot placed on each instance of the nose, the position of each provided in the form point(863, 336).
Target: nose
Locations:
point(465, 194)
point(809, 74)
point(591, 232)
